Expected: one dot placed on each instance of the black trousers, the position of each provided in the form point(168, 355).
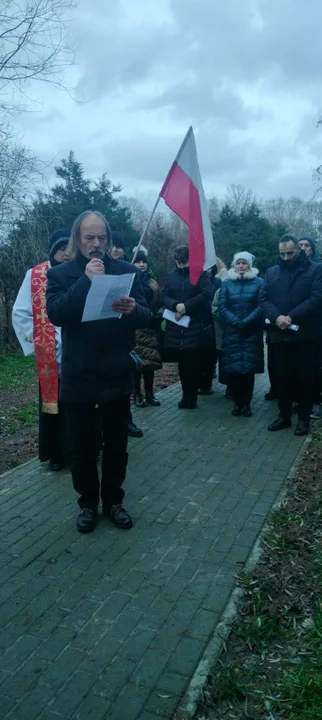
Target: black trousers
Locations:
point(148, 379)
point(83, 429)
point(241, 387)
point(317, 383)
point(53, 435)
point(208, 360)
point(295, 364)
point(189, 373)
point(272, 371)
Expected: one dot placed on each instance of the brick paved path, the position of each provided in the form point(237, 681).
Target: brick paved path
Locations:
point(112, 625)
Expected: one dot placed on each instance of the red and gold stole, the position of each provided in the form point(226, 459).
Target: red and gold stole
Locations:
point(44, 341)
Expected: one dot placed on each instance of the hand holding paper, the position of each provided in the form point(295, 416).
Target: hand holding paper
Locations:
point(108, 297)
point(125, 306)
point(171, 316)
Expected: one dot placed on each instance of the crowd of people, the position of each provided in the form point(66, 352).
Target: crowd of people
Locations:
point(87, 371)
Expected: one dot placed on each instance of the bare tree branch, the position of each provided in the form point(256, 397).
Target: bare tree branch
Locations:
point(33, 44)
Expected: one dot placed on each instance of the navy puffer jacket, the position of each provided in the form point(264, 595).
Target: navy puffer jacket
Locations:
point(197, 300)
point(243, 347)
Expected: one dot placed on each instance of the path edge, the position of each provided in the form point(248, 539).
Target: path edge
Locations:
point(188, 704)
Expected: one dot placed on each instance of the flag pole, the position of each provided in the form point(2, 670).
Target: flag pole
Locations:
point(146, 228)
point(159, 196)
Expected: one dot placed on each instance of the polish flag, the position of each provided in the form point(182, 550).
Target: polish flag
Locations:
point(183, 193)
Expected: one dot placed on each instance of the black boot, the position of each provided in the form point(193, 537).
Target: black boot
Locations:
point(236, 411)
point(134, 431)
point(280, 424)
point(302, 427)
point(86, 520)
point(138, 401)
point(246, 411)
point(151, 399)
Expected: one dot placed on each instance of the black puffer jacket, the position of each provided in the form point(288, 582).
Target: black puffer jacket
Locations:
point(197, 300)
point(243, 347)
point(147, 343)
point(293, 289)
point(97, 365)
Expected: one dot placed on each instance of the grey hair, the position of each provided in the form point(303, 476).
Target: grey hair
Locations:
point(75, 232)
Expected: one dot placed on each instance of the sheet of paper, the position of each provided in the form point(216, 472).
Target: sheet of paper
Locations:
point(104, 290)
point(184, 320)
point(292, 327)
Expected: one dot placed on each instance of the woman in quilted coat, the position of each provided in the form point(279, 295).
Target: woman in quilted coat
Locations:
point(147, 340)
point(243, 348)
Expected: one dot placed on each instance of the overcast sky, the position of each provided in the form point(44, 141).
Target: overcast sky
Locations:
point(247, 74)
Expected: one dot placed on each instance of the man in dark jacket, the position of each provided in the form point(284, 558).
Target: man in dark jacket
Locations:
point(97, 368)
point(291, 300)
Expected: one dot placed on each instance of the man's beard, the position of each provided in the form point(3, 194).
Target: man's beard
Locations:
point(96, 252)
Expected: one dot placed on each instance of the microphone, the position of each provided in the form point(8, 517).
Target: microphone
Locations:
point(96, 252)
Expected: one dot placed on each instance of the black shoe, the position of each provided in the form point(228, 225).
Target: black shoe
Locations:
point(55, 467)
point(246, 411)
point(119, 517)
point(302, 427)
point(86, 521)
point(186, 405)
point(270, 395)
point(151, 400)
point(236, 410)
point(138, 401)
point(279, 424)
point(205, 391)
point(134, 431)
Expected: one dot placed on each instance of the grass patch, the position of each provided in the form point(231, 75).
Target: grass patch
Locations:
point(271, 667)
point(16, 371)
point(29, 414)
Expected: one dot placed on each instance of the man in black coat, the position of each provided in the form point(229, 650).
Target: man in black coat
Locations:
point(97, 368)
point(292, 298)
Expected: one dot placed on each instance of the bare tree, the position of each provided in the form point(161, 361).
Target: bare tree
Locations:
point(33, 45)
point(20, 173)
point(239, 198)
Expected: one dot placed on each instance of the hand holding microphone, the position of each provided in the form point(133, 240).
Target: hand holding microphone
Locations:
point(95, 265)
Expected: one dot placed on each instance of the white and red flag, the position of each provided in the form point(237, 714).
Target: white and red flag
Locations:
point(183, 192)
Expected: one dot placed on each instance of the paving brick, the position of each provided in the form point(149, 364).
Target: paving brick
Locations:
point(74, 692)
point(93, 708)
point(18, 653)
point(113, 625)
point(186, 656)
point(162, 704)
point(64, 666)
point(32, 705)
point(24, 679)
point(114, 679)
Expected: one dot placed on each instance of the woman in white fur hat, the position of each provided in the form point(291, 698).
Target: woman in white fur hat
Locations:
point(243, 348)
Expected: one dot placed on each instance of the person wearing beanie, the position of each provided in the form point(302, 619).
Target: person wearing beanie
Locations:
point(98, 363)
point(147, 339)
point(307, 244)
point(118, 246)
point(291, 300)
point(38, 336)
point(242, 347)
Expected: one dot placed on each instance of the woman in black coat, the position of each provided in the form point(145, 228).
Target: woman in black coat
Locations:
point(183, 344)
point(243, 348)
